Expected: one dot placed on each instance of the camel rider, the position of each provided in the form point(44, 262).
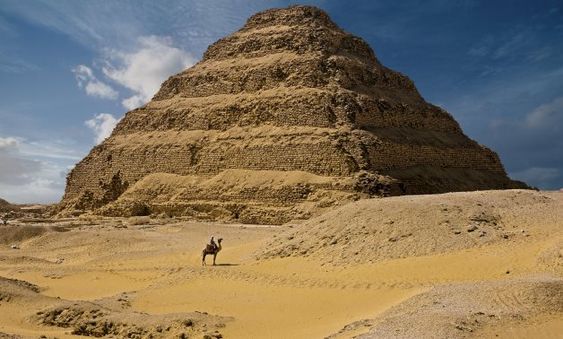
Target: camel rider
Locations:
point(213, 244)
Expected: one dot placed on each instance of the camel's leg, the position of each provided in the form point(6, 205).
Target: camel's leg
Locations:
point(214, 256)
point(203, 258)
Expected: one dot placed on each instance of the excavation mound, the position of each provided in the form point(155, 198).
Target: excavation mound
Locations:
point(288, 93)
point(397, 227)
point(94, 320)
point(108, 317)
point(12, 289)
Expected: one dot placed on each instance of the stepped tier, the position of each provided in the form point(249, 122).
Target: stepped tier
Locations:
point(289, 93)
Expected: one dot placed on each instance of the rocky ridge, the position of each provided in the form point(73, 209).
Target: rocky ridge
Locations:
point(6, 206)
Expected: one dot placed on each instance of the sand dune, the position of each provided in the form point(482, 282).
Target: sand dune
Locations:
point(376, 229)
point(142, 277)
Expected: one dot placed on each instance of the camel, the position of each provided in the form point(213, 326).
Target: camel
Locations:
point(210, 249)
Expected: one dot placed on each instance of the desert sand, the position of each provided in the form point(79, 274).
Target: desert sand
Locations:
point(480, 264)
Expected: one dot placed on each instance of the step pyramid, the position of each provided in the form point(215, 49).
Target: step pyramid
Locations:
point(280, 120)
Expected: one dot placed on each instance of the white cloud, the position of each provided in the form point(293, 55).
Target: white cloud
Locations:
point(93, 87)
point(102, 125)
point(546, 114)
point(44, 185)
point(134, 101)
point(8, 143)
point(143, 70)
point(83, 73)
point(25, 177)
point(101, 90)
point(14, 168)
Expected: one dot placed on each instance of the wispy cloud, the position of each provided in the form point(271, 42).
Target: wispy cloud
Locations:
point(26, 178)
point(546, 118)
point(8, 143)
point(14, 64)
point(90, 83)
point(539, 54)
point(483, 48)
point(523, 44)
point(499, 96)
point(547, 115)
point(111, 23)
point(102, 125)
point(513, 45)
point(143, 70)
point(15, 170)
point(518, 112)
point(44, 184)
point(49, 150)
point(78, 19)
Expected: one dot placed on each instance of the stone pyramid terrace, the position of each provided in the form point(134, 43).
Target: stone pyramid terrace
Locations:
point(280, 120)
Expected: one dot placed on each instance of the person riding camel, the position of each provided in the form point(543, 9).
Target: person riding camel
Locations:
point(212, 244)
point(212, 248)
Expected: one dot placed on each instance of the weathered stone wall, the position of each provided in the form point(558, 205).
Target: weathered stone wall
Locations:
point(133, 161)
point(390, 156)
point(265, 197)
point(286, 107)
point(336, 155)
point(312, 37)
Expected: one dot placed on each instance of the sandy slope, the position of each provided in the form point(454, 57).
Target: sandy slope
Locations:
point(374, 229)
point(464, 285)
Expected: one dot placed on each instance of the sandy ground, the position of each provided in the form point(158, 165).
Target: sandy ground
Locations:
point(85, 274)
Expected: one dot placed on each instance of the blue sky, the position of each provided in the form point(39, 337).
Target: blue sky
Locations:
point(70, 69)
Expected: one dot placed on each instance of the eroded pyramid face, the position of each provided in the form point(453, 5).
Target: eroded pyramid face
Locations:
point(284, 118)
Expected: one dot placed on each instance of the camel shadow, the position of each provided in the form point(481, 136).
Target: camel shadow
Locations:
point(227, 264)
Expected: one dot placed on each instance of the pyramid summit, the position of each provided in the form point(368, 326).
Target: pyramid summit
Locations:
point(286, 117)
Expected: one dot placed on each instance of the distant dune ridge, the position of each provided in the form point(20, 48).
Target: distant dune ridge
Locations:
point(292, 98)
